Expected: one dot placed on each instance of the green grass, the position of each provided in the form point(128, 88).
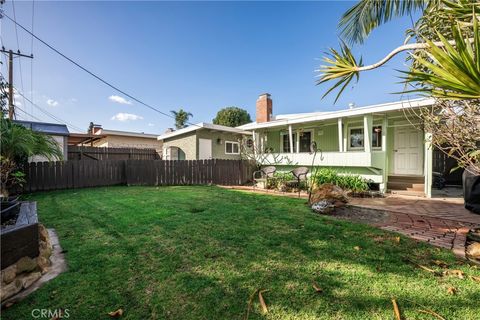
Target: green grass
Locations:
point(200, 252)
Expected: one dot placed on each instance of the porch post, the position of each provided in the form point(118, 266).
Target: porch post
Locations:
point(428, 165)
point(345, 136)
point(254, 138)
point(383, 187)
point(290, 138)
point(367, 132)
point(340, 134)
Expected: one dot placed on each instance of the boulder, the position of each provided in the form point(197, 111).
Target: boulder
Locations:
point(473, 251)
point(28, 279)
point(323, 206)
point(9, 273)
point(26, 264)
point(10, 289)
point(329, 192)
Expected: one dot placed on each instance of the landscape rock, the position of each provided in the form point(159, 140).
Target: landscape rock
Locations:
point(27, 280)
point(25, 264)
point(43, 233)
point(328, 192)
point(43, 264)
point(10, 289)
point(9, 273)
point(323, 206)
point(473, 251)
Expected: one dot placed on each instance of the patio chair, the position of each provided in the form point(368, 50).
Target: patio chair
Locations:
point(300, 175)
point(265, 174)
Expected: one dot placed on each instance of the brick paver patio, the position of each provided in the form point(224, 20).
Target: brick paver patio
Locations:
point(440, 222)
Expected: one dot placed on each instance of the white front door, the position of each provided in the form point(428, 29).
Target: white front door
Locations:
point(204, 149)
point(408, 151)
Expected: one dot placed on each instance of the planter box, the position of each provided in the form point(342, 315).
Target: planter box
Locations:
point(21, 239)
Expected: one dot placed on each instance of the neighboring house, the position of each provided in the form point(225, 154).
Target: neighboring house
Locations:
point(125, 139)
point(202, 141)
point(59, 133)
point(377, 142)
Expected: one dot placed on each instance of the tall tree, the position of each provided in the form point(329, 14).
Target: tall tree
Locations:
point(181, 118)
point(232, 117)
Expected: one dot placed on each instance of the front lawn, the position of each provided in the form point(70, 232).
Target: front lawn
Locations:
point(200, 253)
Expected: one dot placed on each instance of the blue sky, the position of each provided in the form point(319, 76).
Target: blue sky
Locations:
point(200, 56)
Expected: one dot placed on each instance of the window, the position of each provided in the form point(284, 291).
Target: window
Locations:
point(232, 147)
point(249, 143)
point(286, 142)
point(356, 138)
point(377, 137)
point(305, 140)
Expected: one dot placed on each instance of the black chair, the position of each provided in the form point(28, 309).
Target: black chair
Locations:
point(264, 174)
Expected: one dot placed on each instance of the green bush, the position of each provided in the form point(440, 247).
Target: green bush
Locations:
point(280, 179)
point(345, 181)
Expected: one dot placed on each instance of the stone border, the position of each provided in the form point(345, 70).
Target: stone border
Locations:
point(58, 265)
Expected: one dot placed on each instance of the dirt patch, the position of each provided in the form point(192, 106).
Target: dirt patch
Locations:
point(362, 215)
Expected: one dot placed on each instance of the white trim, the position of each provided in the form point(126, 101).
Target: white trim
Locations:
point(232, 142)
point(379, 108)
point(202, 125)
point(102, 132)
point(349, 147)
point(283, 133)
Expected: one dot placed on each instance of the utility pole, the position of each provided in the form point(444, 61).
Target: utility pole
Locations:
point(11, 107)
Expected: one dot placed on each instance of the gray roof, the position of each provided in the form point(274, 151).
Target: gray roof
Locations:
point(44, 127)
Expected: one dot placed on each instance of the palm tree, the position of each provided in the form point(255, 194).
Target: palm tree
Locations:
point(181, 118)
point(445, 57)
point(17, 144)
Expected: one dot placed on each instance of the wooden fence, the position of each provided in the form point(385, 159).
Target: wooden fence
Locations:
point(42, 176)
point(94, 153)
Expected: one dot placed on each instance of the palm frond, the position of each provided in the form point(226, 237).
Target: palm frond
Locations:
point(357, 23)
point(453, 71)
point(340, 65)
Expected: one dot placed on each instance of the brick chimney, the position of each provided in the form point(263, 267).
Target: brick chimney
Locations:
point(264, 108)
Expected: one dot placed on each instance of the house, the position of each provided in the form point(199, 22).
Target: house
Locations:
point(124, 139)
point(203, 141)
point(382, 143)
point(59, 133)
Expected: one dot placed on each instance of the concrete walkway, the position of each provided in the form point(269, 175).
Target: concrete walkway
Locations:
point(442, 222)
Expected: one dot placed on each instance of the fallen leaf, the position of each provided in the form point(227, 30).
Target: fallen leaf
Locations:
point(457, 273)
point(397, 239)
point(317, 287)
point(430, 312)
point(475, 278)
point(440, 263)
point(396, 310)
point(451, 290)
point(262, 302)
point(249, 306)
point(357, 248)
point(116, 314)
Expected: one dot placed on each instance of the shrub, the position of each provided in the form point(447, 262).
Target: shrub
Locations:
point(280, 180)
point(345, 181)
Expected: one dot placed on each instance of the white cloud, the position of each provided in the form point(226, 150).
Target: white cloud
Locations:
point(119, 99)
point(126, 117)
point(52, 103)
point(151, 125)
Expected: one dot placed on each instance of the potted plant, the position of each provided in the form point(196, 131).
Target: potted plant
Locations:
point(17, 144)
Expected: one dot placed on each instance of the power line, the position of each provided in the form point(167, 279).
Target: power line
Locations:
point(94, 74)
point(59, 120)
point(31, 50)
point(29, 114)
point(18, 47)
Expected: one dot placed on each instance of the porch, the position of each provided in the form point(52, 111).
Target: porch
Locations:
point(374, 146)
